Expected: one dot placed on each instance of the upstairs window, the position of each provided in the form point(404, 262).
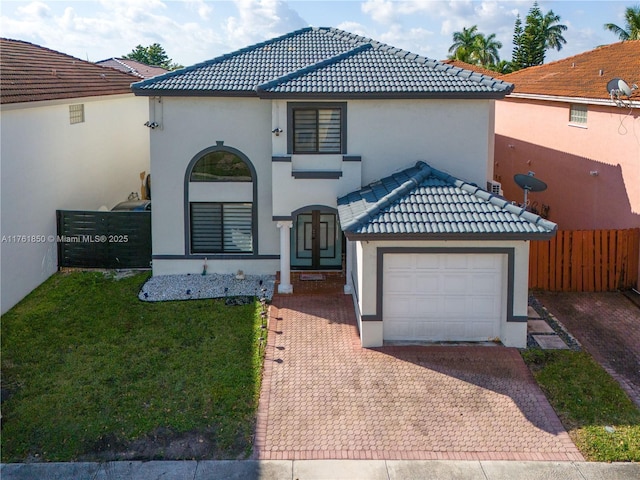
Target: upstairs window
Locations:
point(578, 114)
point(76, 113)
point(317, 128)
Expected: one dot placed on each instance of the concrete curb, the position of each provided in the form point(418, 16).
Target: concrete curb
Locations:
point(321, 469)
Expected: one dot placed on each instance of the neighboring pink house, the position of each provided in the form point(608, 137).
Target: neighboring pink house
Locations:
point(561, 123)
point(132, 66)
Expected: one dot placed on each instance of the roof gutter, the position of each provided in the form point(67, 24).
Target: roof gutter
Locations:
point(565, 99)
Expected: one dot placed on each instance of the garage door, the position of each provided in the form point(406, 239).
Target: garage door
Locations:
point(442, 297)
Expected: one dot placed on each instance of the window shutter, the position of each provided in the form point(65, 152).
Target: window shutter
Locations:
point(237, 227)
point(329, 130)
point(305, 130)
point(206, 227)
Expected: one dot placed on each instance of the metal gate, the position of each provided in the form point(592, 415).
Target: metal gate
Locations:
point(93, 239)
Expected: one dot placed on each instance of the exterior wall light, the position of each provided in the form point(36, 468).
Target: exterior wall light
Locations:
point(277, 131)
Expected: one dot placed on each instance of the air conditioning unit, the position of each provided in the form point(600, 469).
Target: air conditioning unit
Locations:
point(494, 187)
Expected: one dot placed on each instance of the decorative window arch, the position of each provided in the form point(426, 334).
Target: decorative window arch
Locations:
point(220, 206)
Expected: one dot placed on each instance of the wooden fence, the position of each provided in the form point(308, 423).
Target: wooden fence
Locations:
point(586, 261)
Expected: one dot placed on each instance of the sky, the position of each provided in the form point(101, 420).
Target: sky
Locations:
point(193, 31)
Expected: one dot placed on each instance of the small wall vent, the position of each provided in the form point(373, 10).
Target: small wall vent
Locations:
point(494, 187)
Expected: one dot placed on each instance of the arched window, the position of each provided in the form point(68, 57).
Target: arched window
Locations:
point(221, 216)
point(220, 166)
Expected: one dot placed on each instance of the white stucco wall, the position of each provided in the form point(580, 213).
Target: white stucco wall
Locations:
point(188, 126)
point(511, 333)
point(450, 135)
point(49, 164)
point(455, 136)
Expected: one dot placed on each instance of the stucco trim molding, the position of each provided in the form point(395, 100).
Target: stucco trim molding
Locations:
point(316, 175)
point(216, 256)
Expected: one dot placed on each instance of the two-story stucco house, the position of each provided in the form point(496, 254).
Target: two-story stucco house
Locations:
point(325, 150)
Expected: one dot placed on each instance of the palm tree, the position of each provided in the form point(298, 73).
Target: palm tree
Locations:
point(464, 44)
point(632, 25)
point(552, 31)
point(486, 49)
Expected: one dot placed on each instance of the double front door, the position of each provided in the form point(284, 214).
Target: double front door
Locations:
point(316, 241)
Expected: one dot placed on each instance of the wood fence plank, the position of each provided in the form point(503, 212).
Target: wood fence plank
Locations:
point(566, 268)
point(576, 262)
point(604, 269)
point(622, 260)
point(597, 260)
point(558, 265)
point(635, 257)
point(543, 265)
point(611, 284)
point(587, 261)
point(552, 267)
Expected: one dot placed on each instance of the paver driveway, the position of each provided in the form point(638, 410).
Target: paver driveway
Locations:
point(323, 396)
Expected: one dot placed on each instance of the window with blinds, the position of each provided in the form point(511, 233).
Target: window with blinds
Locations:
point(317, 128)
point(221, 228)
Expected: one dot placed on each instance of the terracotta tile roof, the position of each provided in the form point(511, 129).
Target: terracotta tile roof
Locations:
point(585, 75)
point(134, 67)
point(426, 203)
point(473, 68)
point(30, 73)
point(325, 62)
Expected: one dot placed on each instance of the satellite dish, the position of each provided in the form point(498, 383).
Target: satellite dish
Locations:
point(529, 184)
point(618, 86)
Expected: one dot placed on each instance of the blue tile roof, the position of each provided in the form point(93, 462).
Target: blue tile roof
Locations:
point(427, 203)
point(324, 61)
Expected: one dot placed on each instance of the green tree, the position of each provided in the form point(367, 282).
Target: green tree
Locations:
point(632, 25)
point(503, 67)
point(153, 55)
point(517, 55)
point(540, 33)
point(473, 47)
point(464, 44)
point(486, 50)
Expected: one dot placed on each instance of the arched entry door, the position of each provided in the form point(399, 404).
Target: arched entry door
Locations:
point(316, 240)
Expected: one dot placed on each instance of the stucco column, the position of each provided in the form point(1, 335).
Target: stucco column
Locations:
point(349, 258)
point(285, 257)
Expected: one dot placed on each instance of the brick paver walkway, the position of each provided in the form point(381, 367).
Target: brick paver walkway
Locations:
point(608, 326)
point(323, 396)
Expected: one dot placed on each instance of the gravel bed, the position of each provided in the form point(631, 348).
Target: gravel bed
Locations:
point(187, 287)
point(554, 323)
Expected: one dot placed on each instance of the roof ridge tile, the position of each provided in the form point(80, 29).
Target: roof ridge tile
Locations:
point(312, 68)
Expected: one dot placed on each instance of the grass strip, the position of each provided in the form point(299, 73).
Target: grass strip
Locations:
point(600, 418)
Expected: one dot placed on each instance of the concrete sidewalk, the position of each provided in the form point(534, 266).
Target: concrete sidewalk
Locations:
point(321, 469)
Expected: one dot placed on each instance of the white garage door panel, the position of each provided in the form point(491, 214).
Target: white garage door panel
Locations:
point(442, 297)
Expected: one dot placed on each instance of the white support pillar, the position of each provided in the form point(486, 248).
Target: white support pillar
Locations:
point(285, 257)
point(348, 274)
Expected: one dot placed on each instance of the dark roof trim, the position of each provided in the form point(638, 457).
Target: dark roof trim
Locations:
point(193, 93)
point(383, 95)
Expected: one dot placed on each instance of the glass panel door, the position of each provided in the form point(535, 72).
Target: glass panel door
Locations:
point(316, 241)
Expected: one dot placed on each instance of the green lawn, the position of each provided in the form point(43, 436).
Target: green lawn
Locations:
point(88, 367)
point(599, 416)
